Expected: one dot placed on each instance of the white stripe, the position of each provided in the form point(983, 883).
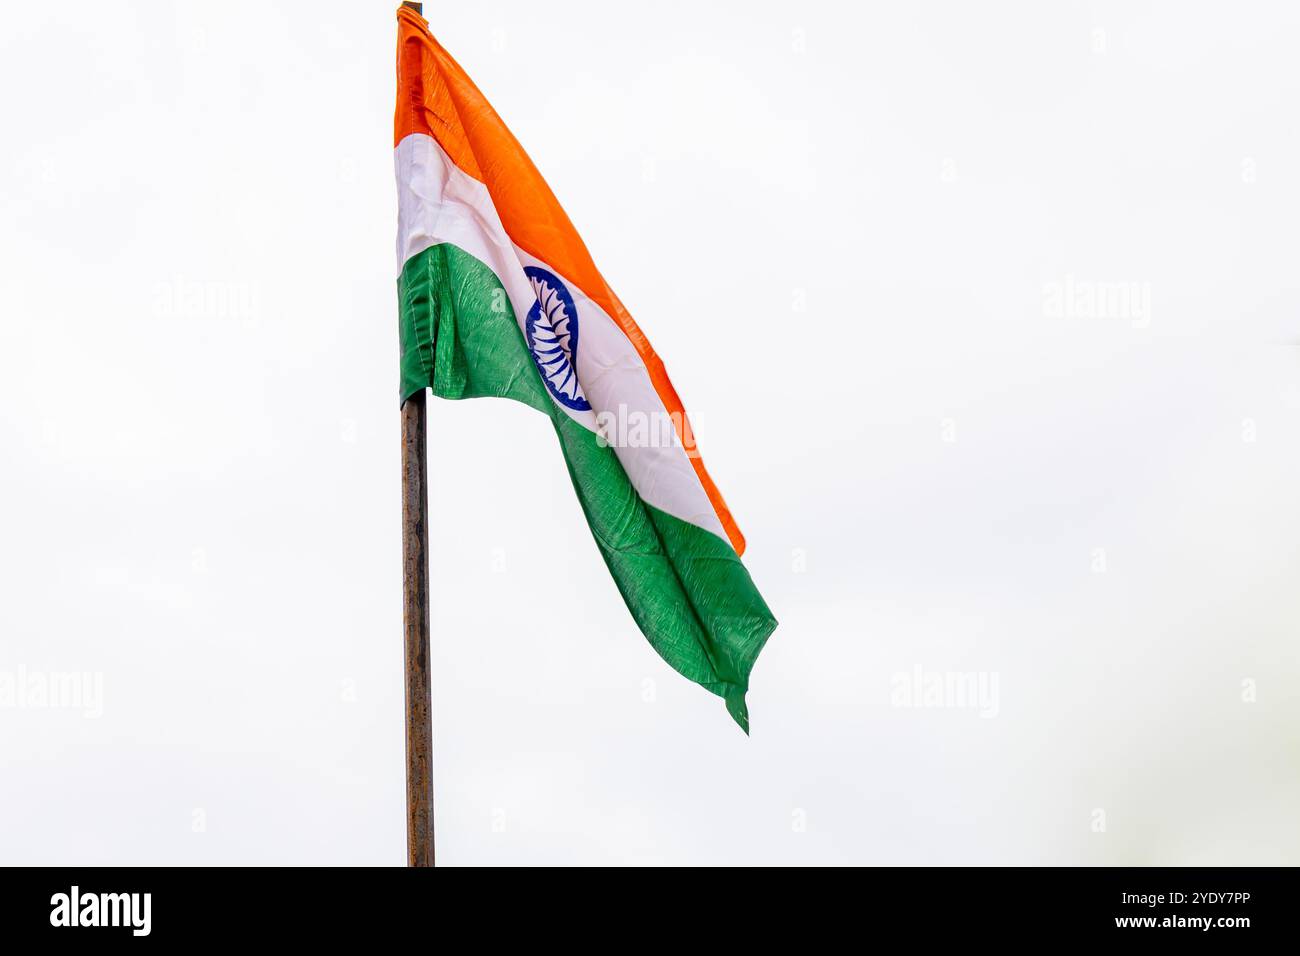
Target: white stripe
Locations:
point(437, 202)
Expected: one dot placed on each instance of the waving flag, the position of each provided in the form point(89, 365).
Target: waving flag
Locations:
point(499, 297)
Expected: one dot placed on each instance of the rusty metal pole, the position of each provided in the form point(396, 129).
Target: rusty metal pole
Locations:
point(415, 627)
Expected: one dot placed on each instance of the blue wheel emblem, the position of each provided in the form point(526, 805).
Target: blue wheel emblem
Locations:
point(552, 332)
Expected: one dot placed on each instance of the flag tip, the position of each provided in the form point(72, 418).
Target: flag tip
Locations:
point(737, 708)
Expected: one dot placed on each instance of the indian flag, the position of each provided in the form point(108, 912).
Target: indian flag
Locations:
point(499, 296)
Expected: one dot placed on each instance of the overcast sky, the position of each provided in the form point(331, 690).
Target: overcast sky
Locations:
point(987, 321)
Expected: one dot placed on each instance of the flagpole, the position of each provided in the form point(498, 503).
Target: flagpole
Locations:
point(415, 624)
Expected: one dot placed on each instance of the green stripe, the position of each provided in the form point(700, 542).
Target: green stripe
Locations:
point(686, 588)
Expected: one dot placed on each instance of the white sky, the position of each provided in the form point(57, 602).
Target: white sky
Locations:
point(843, 229)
